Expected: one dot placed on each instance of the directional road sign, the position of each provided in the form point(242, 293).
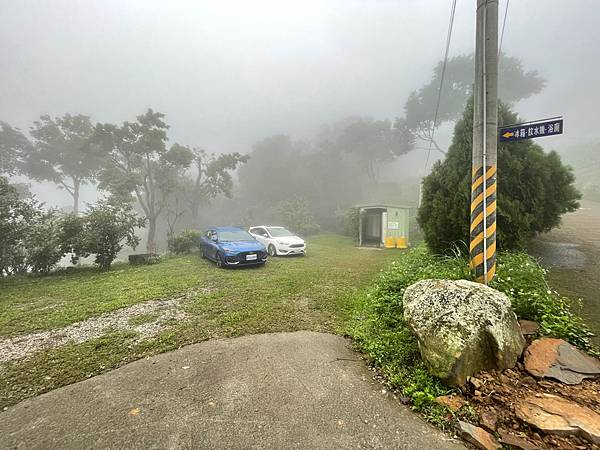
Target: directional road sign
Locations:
point(530, 130)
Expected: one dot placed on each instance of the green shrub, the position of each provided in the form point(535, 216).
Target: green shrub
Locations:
point(295, 215)
point(378, 328)
point(29, 236)
point(187, 241)
point(534, 190)
point(106, 226)
point(523, 280)
point(42, 243)
point(349, 222)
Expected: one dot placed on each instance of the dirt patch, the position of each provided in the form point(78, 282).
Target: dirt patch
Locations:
point(164, 311)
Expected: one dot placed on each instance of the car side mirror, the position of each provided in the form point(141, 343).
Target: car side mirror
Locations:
point(214, 239)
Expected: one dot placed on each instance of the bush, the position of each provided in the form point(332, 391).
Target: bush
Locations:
point(106, 226)
point(534, 190)
point(29, 236)
point(349, 221)
point(378, 326)
point(72, 236)
point(186, 242)
point(42, 243)
point(296, 216)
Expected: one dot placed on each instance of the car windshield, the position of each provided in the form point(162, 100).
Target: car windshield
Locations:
point(235, 235)
point(280, 232)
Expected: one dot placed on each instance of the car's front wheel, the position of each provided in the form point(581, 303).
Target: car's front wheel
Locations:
point(220, 261)
point(272, 250)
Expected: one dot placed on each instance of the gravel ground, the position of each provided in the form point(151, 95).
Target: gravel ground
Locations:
point(167, 310)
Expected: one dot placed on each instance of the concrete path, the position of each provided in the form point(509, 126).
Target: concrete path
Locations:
point(299, 390)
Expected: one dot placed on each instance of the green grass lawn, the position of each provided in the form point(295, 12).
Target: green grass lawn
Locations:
point(288, 294)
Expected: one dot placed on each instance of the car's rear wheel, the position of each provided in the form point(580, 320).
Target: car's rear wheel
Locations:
point(272, 250)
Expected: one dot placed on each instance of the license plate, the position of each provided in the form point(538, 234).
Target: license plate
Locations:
point(251, 257)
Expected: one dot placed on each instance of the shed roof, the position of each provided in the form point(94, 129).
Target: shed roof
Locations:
point(382, 205)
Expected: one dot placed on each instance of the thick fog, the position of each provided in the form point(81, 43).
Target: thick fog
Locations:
point(228, 74)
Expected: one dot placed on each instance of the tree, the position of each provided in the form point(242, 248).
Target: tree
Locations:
point(14, 146)
point(135, 153)
point(417, 124)
point(211, 177)
point(106, 226)
point(534, 190)
point(63, 153)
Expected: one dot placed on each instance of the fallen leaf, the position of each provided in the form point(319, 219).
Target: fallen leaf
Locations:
point(134, 412)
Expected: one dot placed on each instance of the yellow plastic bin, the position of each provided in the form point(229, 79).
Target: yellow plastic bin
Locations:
point(390, 242)
point(401, 242)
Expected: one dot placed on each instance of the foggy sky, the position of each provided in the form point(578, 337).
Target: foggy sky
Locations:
point(227, 74)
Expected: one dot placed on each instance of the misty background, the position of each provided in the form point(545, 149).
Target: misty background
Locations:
point(230, 74)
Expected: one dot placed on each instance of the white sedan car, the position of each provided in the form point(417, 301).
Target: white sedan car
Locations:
point(278, 240)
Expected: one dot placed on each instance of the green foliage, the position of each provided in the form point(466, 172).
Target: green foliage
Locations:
point(106, 226)
point(29, 236)
point(16, 215)
point(14, 146)
point(162, 181)
point(534, 190)
point(137, 163)
point(212, 177)
point(42, 243)
point(296, 216)
point(72, 236)
point(378, 326)
point(523, 280)
point(63, 153)
point(185, 242)
point(349, 222)
point(514, 84)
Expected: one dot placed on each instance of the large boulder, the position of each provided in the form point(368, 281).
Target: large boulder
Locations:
point(462, 328)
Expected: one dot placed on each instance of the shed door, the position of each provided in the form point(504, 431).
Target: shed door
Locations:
point(372, 227)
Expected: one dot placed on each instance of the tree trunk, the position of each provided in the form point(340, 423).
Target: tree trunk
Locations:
point(195, 210)
point(150, 242)
point(76, 185)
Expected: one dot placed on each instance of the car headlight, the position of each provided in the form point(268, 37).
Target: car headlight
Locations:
point(229, 251)
point(283, 243)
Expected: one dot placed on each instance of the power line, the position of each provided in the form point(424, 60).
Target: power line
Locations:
point(503, 26)
point(439, 99)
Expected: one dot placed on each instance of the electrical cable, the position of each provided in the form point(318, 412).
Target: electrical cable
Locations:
point(503, 27)
point(439, 99)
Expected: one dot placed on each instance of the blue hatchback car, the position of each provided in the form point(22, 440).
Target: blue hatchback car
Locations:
point(230, 246)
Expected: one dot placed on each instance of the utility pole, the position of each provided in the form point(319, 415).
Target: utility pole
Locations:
point(482, 246)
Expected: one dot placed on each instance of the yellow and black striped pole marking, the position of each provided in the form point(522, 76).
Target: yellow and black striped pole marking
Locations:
point(482, 236)
point(482, 248)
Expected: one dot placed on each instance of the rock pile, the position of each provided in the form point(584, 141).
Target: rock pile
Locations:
point(533, 412)
point(557, 359)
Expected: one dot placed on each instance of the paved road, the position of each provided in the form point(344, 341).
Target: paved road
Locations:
point(299, 390)
point(572, 252)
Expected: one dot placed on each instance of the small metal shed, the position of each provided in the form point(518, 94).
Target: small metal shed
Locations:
point(383, 225)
